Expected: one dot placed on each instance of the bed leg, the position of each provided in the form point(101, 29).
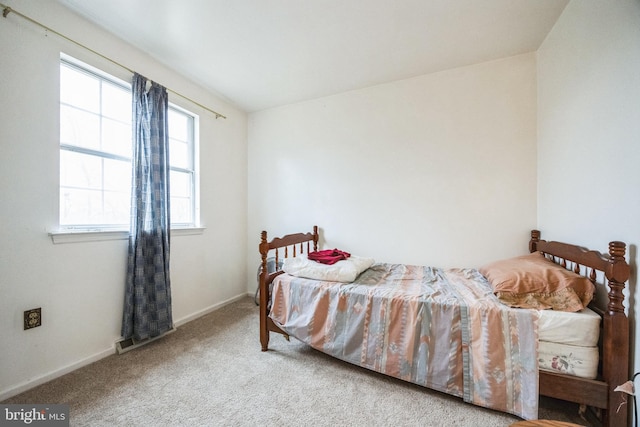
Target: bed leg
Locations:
point(264, 329)
point(613, 418)
point(264, 291)
point(265, 343)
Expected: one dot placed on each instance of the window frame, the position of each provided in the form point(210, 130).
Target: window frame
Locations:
point(93, 232)
point(95, 73)
point(194, 156)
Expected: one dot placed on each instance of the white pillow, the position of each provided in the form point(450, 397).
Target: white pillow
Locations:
point(345, 270)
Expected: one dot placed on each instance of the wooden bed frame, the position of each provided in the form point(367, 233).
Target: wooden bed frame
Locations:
point(614, 335)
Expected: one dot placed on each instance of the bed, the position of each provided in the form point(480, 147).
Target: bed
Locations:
point(583, 366)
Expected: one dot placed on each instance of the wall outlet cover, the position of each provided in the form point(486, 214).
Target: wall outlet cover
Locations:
point(32, 318)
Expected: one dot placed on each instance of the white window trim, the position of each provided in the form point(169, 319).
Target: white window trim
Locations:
point(79, 236)
point(195, 156)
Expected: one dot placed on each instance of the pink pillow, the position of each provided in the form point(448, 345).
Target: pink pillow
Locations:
point(532, 281)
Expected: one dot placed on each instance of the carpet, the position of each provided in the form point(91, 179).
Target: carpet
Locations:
point(211, 372)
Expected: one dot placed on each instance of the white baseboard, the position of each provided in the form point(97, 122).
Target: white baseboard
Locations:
point(20, 388)
point(207, 310)
point(14, 391)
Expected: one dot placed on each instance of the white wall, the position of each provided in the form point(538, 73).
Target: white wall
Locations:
point(80, 285)
point(589, 128)
point(437, 170)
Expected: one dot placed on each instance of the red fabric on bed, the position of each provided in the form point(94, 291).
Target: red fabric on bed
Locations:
point(328, 256)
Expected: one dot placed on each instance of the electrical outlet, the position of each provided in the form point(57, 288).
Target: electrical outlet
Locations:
point(32, 318)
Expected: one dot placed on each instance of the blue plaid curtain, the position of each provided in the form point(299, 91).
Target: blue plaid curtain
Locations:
point(147, 304)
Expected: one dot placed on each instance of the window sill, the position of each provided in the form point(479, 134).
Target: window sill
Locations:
point(78, 236)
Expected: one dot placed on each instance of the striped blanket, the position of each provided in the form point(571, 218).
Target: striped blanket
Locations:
point(439, 328)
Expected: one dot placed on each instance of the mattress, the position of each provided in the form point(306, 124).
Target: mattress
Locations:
point(568, 359)
point(577, 329)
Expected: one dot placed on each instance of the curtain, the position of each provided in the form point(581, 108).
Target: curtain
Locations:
point(147, 304)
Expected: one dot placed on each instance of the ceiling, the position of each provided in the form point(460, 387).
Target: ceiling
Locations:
point(259, 54)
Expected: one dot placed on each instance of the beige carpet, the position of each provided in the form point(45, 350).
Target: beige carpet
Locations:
point(211, 372)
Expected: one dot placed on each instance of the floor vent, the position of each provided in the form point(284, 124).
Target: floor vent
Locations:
point(131, 344)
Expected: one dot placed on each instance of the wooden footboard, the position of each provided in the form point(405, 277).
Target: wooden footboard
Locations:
point(614, 336)
point(280, 248)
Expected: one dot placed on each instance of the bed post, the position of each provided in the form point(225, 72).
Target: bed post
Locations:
point(264, 292)
point(315, 238)
point(615, 366)
point(535, 238)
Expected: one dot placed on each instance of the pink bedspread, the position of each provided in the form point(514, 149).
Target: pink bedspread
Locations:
point(442, 329)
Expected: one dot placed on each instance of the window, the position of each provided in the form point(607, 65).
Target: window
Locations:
point(96, 147)
point(182, 176)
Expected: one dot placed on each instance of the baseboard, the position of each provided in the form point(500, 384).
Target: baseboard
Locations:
point(27, 385)
point(207, 310)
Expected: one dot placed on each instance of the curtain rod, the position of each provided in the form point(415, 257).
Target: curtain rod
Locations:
point(6, 10)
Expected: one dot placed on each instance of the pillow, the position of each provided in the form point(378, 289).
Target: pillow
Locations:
point(532, 281)
point(342, 271)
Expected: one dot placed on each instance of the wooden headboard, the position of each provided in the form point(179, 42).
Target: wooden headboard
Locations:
point(614, 352)
point(280, 247)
